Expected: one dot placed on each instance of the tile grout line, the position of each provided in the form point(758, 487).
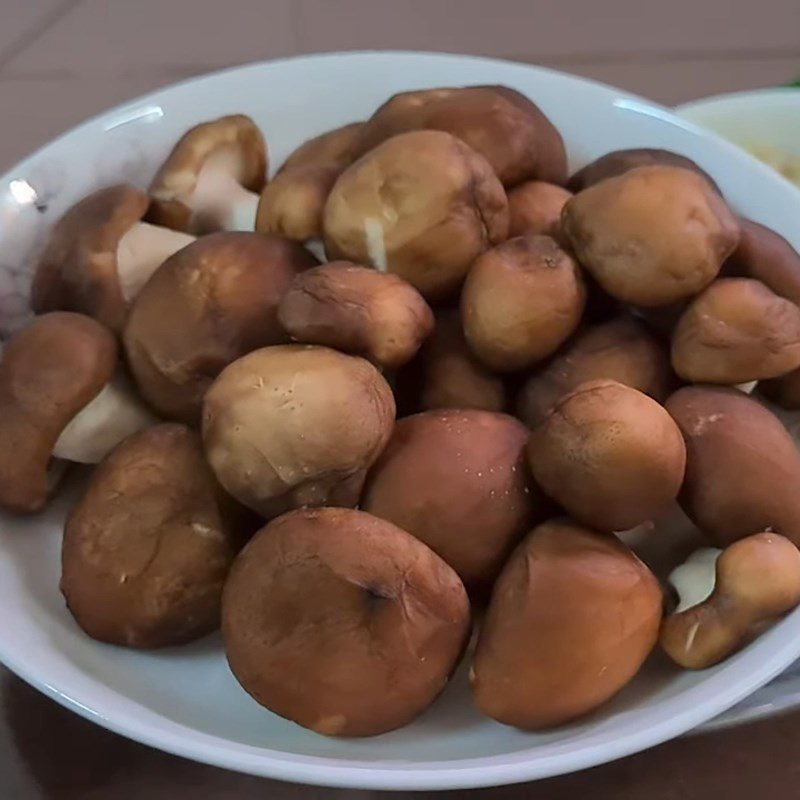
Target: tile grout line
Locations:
point(30, 37)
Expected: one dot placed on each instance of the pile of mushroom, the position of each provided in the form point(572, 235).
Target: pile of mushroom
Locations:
point(476, 411)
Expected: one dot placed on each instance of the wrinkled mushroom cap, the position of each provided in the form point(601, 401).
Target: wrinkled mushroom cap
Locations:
point(573, 616)
point(504, 126)
point(78, 268)
point(208, 304)
point(343, 622)
point(422, 204)
point(48, 373)
point(296, 425)
point(736, 331)
point(357, 310)
point(177, 177)
point(148, 546)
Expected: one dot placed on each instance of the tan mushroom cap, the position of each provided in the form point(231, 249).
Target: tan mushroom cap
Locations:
point(422, 205)
point(178, 176)
point(48, 373)
point(207, 305)
point(78, 268)
point(296, 425)
point(498, 122)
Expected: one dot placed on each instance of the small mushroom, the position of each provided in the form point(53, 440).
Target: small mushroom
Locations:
point(620, 349)
point(148, 546)
point(651, 236)
point(213, 177)
point(59, 396)
point(535, 207)
point(207, 305)
point(357, 310)
point(296, 425)
point(521, 301)
point(446, 373)
point(611, 456)
point(293, 201)
point(736, 331)
point(728, 597)
point(620, 161)
point(422, 205)
point(100, 254)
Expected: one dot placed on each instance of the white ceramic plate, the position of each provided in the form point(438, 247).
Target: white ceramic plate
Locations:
point(185, 701)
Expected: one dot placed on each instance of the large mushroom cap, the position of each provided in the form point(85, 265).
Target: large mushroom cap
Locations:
point(422, 204)
point(48, 373)
point(501, 124)
point(78, 268)
point(208, 304)
point(148, 546)
point(233, 152)
point(337, 146)
point(343, 622)
point(295, 425)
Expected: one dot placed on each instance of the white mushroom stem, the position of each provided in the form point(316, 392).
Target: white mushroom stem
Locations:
point(376, 246)
point(219, 201)
point(317, 248)
point(115, 413)
point(141, 251)
point(747, 388)
point(694, 580)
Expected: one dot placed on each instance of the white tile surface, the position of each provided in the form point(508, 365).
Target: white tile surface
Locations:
point(145, 37)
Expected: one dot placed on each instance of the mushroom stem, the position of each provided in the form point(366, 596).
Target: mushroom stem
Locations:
point(220, 202)
point(694, 580)
point(141, 251)
point(103, 423)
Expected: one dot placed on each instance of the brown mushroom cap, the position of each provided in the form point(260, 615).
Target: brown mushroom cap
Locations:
point(357, 310)
point(609, 455)
point(619, 162)
point(736, 331)
point(292, 204)
point(236, 136)
point(422, 205)
point(446, 373)
point(48, 373)
point(535, 207)
point(342, 622)
point(742, 466)
point(78, 268)
point(457, 480)
point(757, 581)
point(501, 124)
point(573, 616)
point(296, 425)
point(620, 350)
point(148, 547)
point(208, 304)
point(521, 300)
point(651, 236)
point(766, 256)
